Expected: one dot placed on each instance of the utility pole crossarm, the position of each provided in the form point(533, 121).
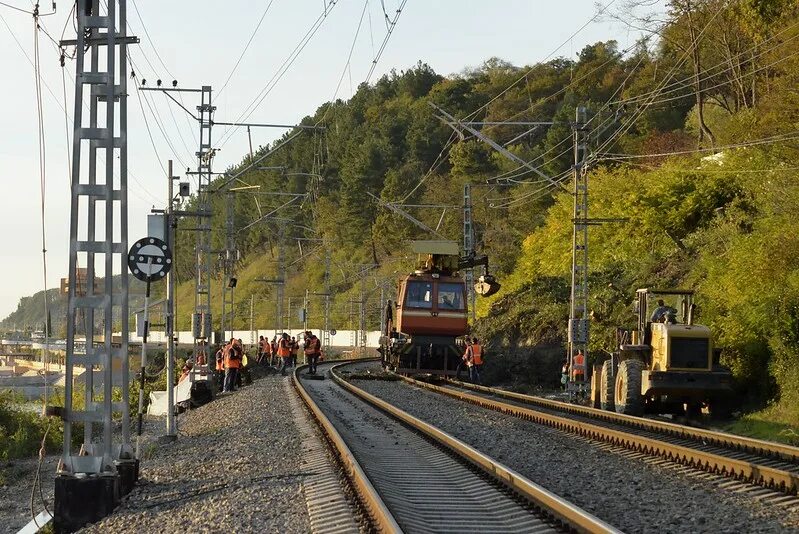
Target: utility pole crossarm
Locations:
point(458, 126)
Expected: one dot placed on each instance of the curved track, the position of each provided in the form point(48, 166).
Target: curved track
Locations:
point(772, 465)
point(413, 477)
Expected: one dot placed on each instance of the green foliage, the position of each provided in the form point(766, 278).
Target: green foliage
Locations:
point(22, 429)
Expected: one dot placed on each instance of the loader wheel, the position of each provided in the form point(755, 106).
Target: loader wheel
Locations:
point(628, 398)
point(606, 384)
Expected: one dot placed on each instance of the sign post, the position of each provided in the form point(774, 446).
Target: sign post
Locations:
point(149, 259)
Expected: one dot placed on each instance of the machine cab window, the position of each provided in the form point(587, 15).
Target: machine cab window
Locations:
point(450, 296)
point(419, 294)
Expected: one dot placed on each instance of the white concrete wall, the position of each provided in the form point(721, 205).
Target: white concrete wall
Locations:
point(343, 338)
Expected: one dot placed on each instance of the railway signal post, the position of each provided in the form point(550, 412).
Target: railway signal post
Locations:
point(149, 259)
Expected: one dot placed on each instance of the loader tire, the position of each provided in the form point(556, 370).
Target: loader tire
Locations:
point(606, 385)
point(627, 397)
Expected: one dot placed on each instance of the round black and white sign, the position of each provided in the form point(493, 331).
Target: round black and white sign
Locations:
point(149, 259)
point(332, 331)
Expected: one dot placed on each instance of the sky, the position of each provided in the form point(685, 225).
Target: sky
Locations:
point(197, 42)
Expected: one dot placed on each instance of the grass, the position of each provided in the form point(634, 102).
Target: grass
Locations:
point(768, 424)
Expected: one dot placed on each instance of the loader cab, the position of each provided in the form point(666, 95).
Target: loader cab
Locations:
point(664, 306)
point(666, 326)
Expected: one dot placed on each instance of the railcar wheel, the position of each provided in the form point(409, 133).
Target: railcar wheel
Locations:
point(628, 399)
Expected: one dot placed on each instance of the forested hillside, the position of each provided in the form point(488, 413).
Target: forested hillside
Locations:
point(693, 139)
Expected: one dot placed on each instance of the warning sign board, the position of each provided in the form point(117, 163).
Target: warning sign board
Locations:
point(149, 259)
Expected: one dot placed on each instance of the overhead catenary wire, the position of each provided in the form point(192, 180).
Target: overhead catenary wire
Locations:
point(158, 122)
point(549, 56)
point(709, 71)
point(15, 8)
point(246, 47)
point(562, 90)
point(150, 133)
point(535, 194)
point(392, 24)
point(540, 192)
point(639, 112)
point(152, 45)
point(169, 72)
point(278, 75)
point(709, 74)
point(788, 136)
point(56, 99)
point(743, 76)
point(352, 48)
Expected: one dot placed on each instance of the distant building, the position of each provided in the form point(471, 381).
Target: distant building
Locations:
point(81, 280)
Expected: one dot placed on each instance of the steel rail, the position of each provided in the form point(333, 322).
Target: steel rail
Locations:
point(764, 475)
point(375, 507)
point(721, 439)
point(564, 511)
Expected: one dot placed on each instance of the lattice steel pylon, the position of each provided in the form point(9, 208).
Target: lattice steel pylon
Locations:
point(468, 245)
point(201, 320)
point(103, 466)
point(578, 312)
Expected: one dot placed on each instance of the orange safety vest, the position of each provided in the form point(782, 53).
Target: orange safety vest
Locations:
point(283, 349)
point(312, 346)
point(233, 359)
point(579, 364)
point(477, 354)
point(220, 360)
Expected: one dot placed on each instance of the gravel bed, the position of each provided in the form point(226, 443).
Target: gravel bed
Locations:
point(633, 496)
point(15, 491)
point(237, 466)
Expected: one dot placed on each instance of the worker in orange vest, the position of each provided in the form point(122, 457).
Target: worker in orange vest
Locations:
point(477, 361)
point(284, 352)
point(261, 349)
point(232, 365)
point(313, 350)
point(578, 367)
point(273, 353)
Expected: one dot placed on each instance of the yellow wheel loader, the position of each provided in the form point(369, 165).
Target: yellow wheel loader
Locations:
point(668, 365)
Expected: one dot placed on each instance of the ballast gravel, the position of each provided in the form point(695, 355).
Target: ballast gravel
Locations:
point(633, 496)
point(237, 466)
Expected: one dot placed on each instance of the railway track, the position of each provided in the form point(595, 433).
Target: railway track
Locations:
point(771, 465)
point(413, 477)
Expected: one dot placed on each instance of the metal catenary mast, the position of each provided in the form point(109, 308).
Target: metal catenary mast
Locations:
point(578, 310)
point(201, 319)
point(468, 245)
point(105, 466)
